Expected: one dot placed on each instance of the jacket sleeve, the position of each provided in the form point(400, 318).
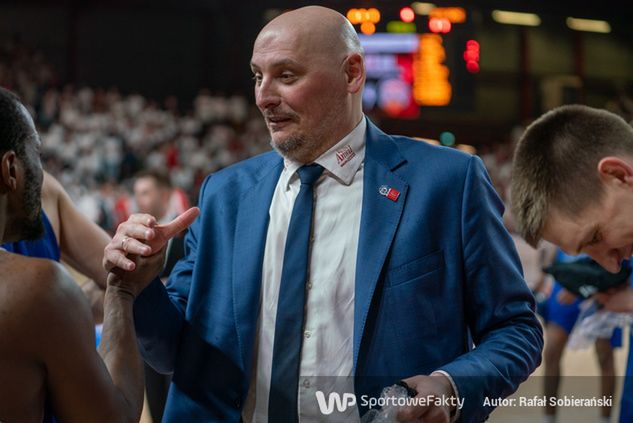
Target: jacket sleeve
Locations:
point(159, 311)
point(507, 337)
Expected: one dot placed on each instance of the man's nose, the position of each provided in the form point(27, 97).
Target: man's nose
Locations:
point(266, 95)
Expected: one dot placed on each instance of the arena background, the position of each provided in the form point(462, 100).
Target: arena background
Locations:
point(165, 47)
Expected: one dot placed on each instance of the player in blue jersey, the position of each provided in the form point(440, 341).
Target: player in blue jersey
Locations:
point(47, 356)
point(69, 236)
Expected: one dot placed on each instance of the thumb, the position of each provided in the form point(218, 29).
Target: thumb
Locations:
point(169, 230)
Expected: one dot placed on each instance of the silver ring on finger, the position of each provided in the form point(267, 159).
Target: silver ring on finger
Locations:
point(124, 243)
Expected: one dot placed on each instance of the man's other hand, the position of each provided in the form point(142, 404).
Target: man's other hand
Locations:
point(617, 300)
point(437, 386)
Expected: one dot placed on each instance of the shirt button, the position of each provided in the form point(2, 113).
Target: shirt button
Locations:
point(306, 383)
point(307, 334)
point(309, 285)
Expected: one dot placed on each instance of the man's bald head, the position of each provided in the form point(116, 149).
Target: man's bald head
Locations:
point(309, 75)
point(318, 28)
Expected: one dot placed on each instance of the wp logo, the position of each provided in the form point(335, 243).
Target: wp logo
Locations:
point(334, 399)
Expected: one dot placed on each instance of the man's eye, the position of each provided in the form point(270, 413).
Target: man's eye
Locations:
point(287, 77)
point(257, 79)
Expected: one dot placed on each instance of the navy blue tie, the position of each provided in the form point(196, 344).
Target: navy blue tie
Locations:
point(284, 380)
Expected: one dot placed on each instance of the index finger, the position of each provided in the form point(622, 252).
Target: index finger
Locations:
point(179, 224)
point(142, 218)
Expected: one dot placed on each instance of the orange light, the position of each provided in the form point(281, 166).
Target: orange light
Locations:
point(453, 14)
point(407, 14)
point(440, 25)
point(430, 76)
point(351, 16)
point(355, 16)
point(358, 16)
point(374, 15)
point(367, 28)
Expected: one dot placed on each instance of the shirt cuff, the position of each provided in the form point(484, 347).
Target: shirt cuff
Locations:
point(455, 391)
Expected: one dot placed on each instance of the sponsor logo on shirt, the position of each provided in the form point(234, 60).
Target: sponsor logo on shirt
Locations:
point(344, 155)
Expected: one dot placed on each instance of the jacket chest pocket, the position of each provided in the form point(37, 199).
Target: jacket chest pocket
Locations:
point(412, 292)
point(415, 270)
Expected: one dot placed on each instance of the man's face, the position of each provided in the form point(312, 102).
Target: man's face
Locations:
point(27, 217)
point(604, 231)
point(149, 197)
point(300, 92)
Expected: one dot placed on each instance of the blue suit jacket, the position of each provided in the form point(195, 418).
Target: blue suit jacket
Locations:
point(436, 274)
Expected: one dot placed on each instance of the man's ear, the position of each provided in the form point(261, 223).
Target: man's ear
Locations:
point(612, 169)
point(8, 171)
point(355, 72)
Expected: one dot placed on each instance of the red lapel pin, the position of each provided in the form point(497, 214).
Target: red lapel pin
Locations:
point(390, 193)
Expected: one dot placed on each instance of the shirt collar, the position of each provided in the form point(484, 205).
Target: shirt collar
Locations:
point(342, 160)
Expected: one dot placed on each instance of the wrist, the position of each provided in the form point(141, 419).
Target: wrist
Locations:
point(119, 292)
point(447, 391)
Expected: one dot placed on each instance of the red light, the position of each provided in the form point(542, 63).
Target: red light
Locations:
point(407, 14)
point(438, 25)
point(472, 66)
point(471, 55)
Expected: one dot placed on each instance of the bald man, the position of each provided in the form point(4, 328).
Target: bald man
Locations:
point(338, 264)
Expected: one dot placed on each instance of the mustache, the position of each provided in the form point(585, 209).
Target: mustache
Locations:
point(272, 115)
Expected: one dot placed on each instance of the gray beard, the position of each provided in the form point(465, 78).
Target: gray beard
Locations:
point(289, 146)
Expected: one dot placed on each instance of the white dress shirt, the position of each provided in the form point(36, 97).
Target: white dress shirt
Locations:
point(327, 348)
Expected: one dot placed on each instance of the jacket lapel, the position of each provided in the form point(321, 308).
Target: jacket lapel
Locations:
point(248, 255)
point(380, 216)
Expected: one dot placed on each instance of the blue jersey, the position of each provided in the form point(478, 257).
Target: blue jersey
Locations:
point(45, 247)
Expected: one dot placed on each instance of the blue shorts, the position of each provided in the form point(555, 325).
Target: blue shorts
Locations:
point(565, 315)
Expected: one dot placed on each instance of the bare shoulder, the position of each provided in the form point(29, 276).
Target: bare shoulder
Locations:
point(31, 276)
point(51, 189)
point(50, 185)
point(36, 296)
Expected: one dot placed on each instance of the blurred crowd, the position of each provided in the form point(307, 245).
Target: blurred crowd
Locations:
point(95, 140)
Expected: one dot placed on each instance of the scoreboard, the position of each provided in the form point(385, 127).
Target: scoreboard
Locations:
point(407, 72)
